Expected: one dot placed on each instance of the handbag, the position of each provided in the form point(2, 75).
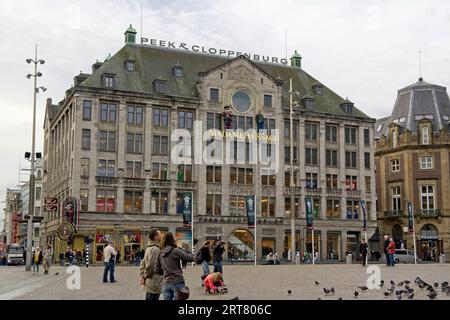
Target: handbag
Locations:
point(183, 293)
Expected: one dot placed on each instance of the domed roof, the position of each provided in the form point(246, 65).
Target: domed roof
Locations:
point(296, 55)
point(131, 29)
point(421, 100)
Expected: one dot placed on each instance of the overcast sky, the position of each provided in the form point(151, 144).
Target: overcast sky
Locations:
point(363, 50)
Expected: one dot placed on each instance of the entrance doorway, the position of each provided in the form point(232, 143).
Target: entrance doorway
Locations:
point(241, 245)
point(429, 244)
point(267, 246)
point(353, 239)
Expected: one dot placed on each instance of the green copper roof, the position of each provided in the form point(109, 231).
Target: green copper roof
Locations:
point(296, 55)
point(153, 63)
point(131, 29)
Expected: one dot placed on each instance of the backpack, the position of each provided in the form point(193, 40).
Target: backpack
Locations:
point(198, 257)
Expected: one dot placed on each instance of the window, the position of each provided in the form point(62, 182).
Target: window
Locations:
point(311, 156)
point(287, 129)
point(351, 182)
point(268, 180)
point(38, 193)
point(288, 207)
point(159, 171)
point(87, 110)
point(311, 180)
point(268, 206)
point(213, 204)
point(160, 86)
point(159, 203)
point(86, 139)
point(310, 131)
point(426, 162)
point(237, 205)
point(129, 65)
point(108, 81)
point(368, 183)
point(350, 135)
point(84, 168)
point(108, 112)
point(214, 94)
point(135, 115)
point(84, 199)
point(214, 121)
point(425, 135)
point(287, 178)
point(178, 71)
point(160, 117)
point(331, 133)
point(395, 165)
point(396, 199)
point(184, 173)
point(287, 155)
point(132, 201)
point(106, 168)
point(352, 209)
point(213, 174)
point(331, 158)
point(241, 175)
point(241, 101)
point(366, 137)
point(185, 119)
point(134, 143)
point(350, 159)
point(268, 101)
point(107, 141)
point(333, 209)
point(160, 145)
point(427, 197)
point(367, 160)
point(332, 181)
point(106, 200)
point(133, 169)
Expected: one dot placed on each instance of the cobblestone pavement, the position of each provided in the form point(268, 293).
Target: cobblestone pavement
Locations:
point(243, 281)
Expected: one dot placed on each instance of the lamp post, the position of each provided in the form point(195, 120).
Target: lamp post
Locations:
point(36, 75)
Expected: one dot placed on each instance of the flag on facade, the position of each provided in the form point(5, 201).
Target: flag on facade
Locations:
point(187, 209)
point(309, 213)
point(250, 208)
point(410, 217)
point(362, 203)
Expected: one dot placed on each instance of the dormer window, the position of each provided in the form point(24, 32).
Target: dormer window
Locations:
point(425, 135)
point(108, 80)
point(160, 86)
point(318, 89)
point(308, 102)
point(347, 107)
point(129, 65)
point(178, 72)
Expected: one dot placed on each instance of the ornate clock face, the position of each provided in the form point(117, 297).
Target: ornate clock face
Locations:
point(241, 101)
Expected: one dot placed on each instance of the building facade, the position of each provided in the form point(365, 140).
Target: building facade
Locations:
point(13, 215)
point(412, 161)
point(109, 143)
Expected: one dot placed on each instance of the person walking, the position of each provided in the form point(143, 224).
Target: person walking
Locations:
point(385, 246)
point(118, 257)
point(363, 251)
point(48, 255)
point(109, 255)
point(205, 254)
point(169, 263)
point(217, 256)
point(391, 251)
point(148, 278)
point(37, 259)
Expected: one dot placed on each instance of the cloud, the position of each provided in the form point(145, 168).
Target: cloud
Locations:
point(365, 50)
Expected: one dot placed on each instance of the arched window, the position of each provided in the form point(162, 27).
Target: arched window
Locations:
point(241, 245)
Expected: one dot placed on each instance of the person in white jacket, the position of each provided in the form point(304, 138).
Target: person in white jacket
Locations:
point(109, 255)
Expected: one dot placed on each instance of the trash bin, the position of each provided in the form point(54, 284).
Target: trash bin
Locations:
point(348, 259)
point(442, 258)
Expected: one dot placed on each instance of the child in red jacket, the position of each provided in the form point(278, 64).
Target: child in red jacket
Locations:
point(212, 282)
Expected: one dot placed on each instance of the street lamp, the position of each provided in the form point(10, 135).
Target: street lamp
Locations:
point(37, 74)
point(291, 132)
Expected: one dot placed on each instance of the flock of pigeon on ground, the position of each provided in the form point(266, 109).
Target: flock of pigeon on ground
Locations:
point(403, 289)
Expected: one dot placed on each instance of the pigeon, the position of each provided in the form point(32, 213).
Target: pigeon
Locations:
point(332, 290)
point(430, 288)
point(411, 296)
point(319, 298)
point(56, 273)
point(317, 283)
point(436, 284)
point(356, 294)
point(340, 298)
point(421, 286)
point(235, 298)
point(407, 287)
point(391, 289)
point(363, 288)
point(326, 291)
point(400, 284)
point(387, 293)
point(432, 295)
point(392, 282)
point(407, 282)
point(399, 297)
point(444, 284)
point(289, 291)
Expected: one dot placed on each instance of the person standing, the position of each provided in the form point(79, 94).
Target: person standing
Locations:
point(217, 256)
point(169, 263)
point(118, 257)
point(109, 255)
point(205, 254)
point(363, 251)
point(385, 246)
point(148, 277)
point(391, 251)
point(37, 259)
point(48, 255)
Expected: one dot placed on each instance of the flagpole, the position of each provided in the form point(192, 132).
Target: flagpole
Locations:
point(254, 250)
point(192, 225)
point(312, 235)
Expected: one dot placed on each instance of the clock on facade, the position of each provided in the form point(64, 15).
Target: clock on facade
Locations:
point(241, 101)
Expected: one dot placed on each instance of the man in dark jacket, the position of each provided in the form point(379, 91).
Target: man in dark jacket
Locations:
point(217, 256)
point(205, 254)
point(363, 251)
point(385, 246)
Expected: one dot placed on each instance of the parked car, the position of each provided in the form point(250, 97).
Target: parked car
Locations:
point(401, 256)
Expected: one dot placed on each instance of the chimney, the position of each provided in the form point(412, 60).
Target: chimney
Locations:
point(96, 65)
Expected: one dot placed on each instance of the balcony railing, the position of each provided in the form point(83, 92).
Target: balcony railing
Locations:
point(296, 190)
point(313, 191)
point(187, 185)
point(393, 214)
point(106, 181)
point(353, 193)
point(432, 213)
point(133, 182)
point(240, 189)
point(155, 183)
point(334, 192)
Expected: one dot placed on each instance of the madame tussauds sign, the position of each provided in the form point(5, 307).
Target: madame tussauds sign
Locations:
point(212, 51)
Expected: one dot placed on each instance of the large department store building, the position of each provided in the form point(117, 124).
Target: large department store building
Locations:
point(108, 143)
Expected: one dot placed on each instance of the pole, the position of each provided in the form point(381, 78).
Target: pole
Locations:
point(414, 238)
point(31, 193)
point(367, 243)
point(291, 131)
point(254, 250)
point(312, 236)
point(192, 224)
